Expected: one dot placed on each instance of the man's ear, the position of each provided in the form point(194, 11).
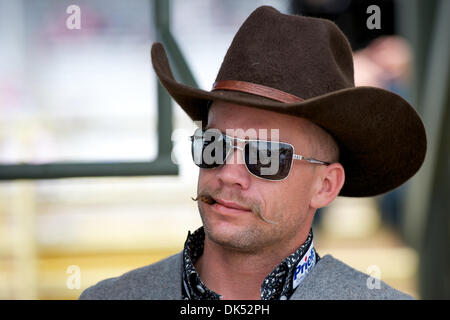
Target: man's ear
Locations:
point(329, 184)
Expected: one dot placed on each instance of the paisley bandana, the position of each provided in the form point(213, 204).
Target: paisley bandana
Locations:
point(278, 285)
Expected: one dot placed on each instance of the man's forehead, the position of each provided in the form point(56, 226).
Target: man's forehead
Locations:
point(250, 122)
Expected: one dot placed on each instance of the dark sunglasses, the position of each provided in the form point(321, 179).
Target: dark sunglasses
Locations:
point(269, 160)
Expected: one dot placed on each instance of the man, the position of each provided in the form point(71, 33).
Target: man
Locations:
point(285, 92)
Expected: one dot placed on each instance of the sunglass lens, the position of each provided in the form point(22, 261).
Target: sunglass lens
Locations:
point(268, 160)
point(209, 148)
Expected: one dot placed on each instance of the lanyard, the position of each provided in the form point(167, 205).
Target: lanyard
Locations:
point(305, 265)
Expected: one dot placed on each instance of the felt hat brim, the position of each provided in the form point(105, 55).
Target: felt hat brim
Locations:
point(381, 138)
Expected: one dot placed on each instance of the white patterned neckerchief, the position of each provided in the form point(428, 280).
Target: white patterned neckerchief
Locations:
point(278, 285)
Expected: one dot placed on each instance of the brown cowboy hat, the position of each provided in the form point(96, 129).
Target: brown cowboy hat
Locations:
point(303, 66)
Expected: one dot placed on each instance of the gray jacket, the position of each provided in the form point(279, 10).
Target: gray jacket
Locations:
point(329, 279)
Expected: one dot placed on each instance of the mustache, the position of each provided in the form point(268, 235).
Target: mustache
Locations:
point(207, 198)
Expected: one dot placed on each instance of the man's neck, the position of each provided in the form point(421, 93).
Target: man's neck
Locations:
point(238, 275)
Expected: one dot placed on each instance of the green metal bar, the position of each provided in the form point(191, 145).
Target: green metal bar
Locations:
point(162, 20)
point(163, 34)
point(434, 263)
point(415, 21)
point(164, 121)
point(433, 105)
point(161, 166)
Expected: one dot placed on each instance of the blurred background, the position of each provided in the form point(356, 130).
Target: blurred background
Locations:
point(95, 168)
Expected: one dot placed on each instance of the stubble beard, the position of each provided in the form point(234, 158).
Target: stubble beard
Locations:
point(249, 239)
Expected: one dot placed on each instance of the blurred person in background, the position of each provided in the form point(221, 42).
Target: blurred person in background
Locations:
point(386, 63)
point(291, 76)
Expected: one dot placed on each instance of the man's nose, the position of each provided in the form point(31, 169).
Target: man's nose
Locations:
point(234, 172)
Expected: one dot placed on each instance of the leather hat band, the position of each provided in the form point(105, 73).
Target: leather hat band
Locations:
point(256, 89)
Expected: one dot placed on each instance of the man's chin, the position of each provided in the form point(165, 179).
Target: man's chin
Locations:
point(238, 238)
